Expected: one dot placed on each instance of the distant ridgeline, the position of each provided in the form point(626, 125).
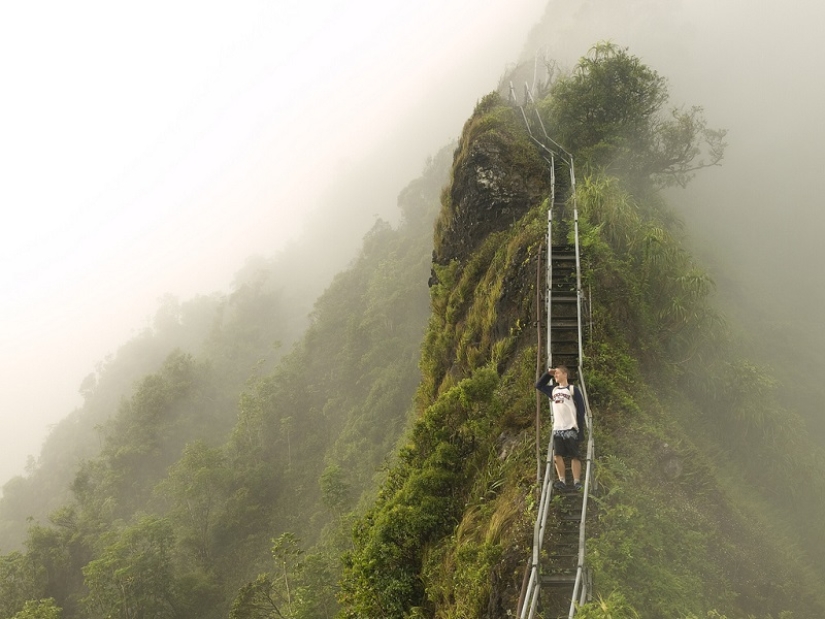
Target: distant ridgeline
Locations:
point(383, 466)
point(219, 457)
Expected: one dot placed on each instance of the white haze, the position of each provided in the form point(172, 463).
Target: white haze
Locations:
point(756, 68)
point(149, 148)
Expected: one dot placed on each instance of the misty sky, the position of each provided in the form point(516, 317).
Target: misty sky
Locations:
point(149, 148)
point(756, 68)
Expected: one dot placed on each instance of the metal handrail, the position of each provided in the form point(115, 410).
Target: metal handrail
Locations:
point(578, 257)
point(528, 608)
point(580, 588)
point(529, 98)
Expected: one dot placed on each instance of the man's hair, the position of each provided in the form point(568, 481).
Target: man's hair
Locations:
point(563, 368)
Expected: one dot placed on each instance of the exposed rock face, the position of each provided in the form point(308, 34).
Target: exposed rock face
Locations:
point(490, 190)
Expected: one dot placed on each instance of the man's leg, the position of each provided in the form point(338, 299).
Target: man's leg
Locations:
point(560, 468)
point(576, 466)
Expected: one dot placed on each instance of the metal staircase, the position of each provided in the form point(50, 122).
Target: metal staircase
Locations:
point(563, 313)
point(557, 579)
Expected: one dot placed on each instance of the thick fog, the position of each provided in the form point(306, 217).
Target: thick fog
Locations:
point(757, 71)
point(148, 149)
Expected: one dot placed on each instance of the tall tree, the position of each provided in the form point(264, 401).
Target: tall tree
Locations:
point(609, 113)
point(133, 578)
point(194, 489)
point(39, 609)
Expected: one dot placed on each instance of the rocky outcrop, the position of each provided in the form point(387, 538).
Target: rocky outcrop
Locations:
point(497, 178)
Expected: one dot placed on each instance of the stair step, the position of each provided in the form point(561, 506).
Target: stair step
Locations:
point(566, 361)
point(568, 545)
point(563, 545)
point(567, 358)
point(558, 580)
point(563, 556)
point(567, 568)
point(562, 563)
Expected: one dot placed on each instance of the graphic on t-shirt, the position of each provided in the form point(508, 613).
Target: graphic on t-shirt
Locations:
point(561, 397)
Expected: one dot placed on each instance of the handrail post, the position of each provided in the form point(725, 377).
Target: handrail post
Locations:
point(549, 283)
point(578, 259)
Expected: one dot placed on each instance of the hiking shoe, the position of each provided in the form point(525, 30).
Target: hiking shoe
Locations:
point(578, 486)
point(559, 485)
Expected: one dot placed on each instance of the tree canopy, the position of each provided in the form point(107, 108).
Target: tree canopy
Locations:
point(610, 113)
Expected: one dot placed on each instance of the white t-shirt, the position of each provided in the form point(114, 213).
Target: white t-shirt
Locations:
point(564, 409)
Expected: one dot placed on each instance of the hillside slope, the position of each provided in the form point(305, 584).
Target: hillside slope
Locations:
point(225, 474)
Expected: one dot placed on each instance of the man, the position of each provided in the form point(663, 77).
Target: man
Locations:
point(568, 423)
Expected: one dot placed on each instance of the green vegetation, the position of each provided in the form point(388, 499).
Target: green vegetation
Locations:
point(609, 114)
point(382, 465)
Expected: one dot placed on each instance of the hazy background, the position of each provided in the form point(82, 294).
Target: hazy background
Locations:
point(757, 222)
point(149, 149)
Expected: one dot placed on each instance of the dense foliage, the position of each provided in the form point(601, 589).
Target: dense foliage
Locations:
point(609, 113)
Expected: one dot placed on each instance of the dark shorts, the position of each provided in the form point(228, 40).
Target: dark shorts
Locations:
point(566, 447)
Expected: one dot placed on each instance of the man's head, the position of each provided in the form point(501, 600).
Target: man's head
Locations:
point(560, 373)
